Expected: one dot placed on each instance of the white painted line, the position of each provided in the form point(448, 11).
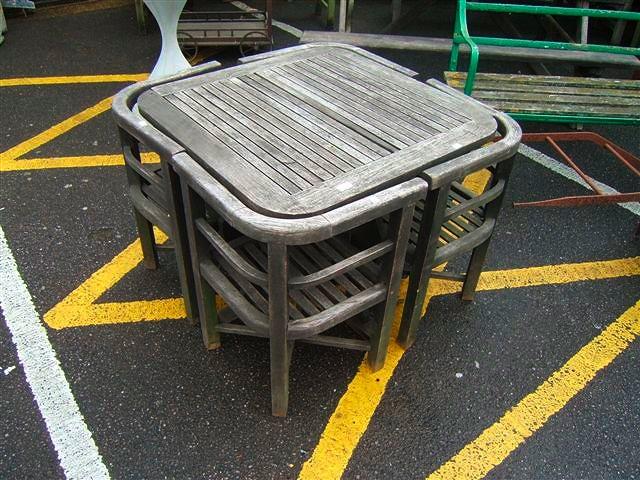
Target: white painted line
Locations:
point(568, 172)
point(76, 449)
point(291, 30)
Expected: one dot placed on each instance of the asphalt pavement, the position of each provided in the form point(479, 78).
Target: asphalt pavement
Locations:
point(158, 405)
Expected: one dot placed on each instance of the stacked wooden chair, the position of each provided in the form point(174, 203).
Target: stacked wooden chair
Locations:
point(147, 182)
point(293, 279)
point(454, 220)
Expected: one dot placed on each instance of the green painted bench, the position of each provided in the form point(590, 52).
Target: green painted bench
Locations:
point(578, 100)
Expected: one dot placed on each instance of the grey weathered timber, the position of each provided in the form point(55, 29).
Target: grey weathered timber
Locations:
point(150, 189)
point(454, 220)
point(553, 95)
point(275, 161)
point(443, 45)
point(273, 167)
point(311, 286)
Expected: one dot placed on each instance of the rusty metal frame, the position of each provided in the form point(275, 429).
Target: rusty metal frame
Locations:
point(599, 197)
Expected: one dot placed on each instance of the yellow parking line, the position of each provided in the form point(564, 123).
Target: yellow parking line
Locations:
point(79, 309)
point(351, 417)
point(49, 134)
point(71, 162)
point(62, 80)
point(497, 442)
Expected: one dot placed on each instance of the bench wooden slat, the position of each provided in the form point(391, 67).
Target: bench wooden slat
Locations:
point(589, 110)
point(554, 98)
point(551, 89)
point(551, 95)
point(548, 80)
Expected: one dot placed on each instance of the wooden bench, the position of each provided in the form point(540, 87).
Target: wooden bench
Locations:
point(547, 98)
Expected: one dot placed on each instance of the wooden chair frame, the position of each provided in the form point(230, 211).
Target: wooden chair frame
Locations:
point(453, 220)
point(150, 200)
point(271, 291)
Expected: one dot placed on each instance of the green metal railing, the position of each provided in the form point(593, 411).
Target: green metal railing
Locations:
point(461, 33)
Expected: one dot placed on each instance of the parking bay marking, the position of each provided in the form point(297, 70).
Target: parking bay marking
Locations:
point(84, 161)
point(351, 417)
point(76, 449)
point(497, 442)
point(10, 156)
point(70, 79)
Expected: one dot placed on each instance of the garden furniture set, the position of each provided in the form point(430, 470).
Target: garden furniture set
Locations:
point(298, 186)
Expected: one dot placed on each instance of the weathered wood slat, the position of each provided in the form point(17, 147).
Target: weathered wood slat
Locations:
point(552, 80)
point(367, 114)
point(303, 141)
point(331, 146)
point(365, 148)
point(260, 135)
point(508, 86)
point(346, 86)
point(412, 105)
point(443, 45)
point(442, 113)
point(588, 110)
point(243, 154)
point(555, 98)
point(519, 94)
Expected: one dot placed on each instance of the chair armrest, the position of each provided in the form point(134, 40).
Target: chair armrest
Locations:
point(294, 231)
point(123, 110)
point(506, 147)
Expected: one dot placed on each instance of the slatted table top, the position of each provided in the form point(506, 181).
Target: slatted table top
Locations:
point(302, 132)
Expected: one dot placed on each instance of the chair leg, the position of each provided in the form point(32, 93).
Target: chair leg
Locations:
point(147, 241)
point(181, 240)
point(279, 376)
point(474, 270)
point(209, 317)
point(278, 323)
point(435, 205)
point(399, 225)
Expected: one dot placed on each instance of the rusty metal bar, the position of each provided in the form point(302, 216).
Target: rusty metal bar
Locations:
point(582, 200)
point(626, 158)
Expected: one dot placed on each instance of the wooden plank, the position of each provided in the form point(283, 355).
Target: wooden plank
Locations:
point(531, 95)
point(361, 144)
point(352, 122)
point(492, 86)
point(251, 155)
point(553, 80)
point(366, 113)
point(559, 109)
point(334, 145)
point(285, 132)
point(343, 92)
point(258, 134)
point(355, 88)
point(412, 103)
point(443, 45)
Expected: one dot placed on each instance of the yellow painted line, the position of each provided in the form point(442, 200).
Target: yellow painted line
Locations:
point(497, 442)
point(353, 413)
point(79, 307)
point(67, 79)
point(71, 162)
point(356, 407)
point(81, 7)
point(55, 131)
point(559, 274)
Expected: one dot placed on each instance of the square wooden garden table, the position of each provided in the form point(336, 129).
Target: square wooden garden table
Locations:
point(301, 131)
